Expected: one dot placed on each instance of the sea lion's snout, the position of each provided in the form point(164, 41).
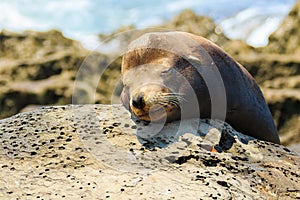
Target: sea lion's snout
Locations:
point(153, 103)
point(138, 101)
point(144, 103)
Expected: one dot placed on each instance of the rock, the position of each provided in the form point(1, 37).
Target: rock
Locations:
point(97, 152)
point(290, 132)
point(40, 68)
point(261, 64)
point(35, 45)
point(285, 103)
point(30, 108)
point(281, 82)
point(295, 147)
point(286, 39)
point(36, 68)
point(283, 97)
point(186, 21)
point(45, 68)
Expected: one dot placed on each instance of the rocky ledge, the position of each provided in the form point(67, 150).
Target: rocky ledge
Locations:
point(41, 68)
point(99, 152)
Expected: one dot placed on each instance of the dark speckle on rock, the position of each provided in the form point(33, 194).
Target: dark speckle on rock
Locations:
point(223, 183)
point(134, 127)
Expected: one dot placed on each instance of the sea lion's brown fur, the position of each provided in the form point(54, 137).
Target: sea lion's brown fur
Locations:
point(153, 54)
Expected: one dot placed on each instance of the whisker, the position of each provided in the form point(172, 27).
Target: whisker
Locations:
point(167, 99)
point(182, 99)
point(174, 103)
point(163, 103)
point(178, 98)
point(175, 93)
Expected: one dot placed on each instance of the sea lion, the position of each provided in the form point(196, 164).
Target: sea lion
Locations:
point(169, 76)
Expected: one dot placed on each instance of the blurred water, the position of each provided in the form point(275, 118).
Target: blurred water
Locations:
point(249, 20)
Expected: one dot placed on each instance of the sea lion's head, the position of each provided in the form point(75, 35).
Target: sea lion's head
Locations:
point(147, 91)
point(159, 77)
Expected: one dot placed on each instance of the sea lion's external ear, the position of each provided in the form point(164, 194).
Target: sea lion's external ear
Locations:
point(125, 98)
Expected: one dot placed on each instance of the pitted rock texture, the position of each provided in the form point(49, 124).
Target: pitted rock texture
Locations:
point(99, 152)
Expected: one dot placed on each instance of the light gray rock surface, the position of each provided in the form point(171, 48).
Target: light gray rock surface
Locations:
point(98, 152)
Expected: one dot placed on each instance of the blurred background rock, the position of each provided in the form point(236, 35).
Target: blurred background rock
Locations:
point(40, 68)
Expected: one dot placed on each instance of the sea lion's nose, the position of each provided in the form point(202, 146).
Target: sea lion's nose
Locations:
point(138, 101)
